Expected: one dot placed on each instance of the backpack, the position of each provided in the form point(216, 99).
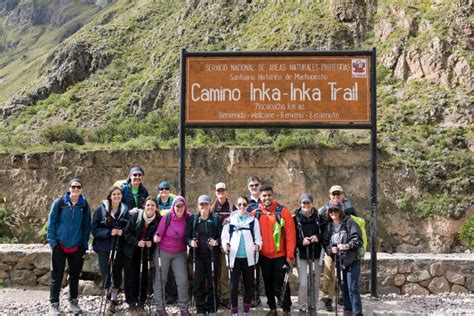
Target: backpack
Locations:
point(277, 213)
point(196, 221)
point(232, 229)
point(361, 223)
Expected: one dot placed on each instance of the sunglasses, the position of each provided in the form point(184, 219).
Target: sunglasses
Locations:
point(333, 210)
point(242, 204)
point(254, 185)
point(137, 174)
point(220, 190)
point(336, 193)
point(163, 189)
point(76, 187)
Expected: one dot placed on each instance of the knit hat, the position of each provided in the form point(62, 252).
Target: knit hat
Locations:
point(204, 199)
point(164, 185)
point(306, 198)
point(75, 180)
point(136, 169)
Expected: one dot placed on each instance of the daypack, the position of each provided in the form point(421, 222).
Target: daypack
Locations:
point(361, 223)
point(277, 213)
point(196, 220)
point(233, 228)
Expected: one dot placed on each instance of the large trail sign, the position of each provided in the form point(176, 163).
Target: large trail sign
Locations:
point(331, 89)
point(308, 90)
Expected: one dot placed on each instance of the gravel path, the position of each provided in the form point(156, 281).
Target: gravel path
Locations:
point(14, 301)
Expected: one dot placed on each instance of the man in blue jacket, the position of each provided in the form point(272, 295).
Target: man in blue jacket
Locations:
point(69, 227)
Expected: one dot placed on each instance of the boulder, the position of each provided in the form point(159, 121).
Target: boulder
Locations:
point(24, 266)
point(89, 288)
point(438, 285)
point(455, 278)
point(399, 280)
point(45, 279)
point(23, 277)
point(414, 289)
point(437, 269)
point(470, 283)
point(4, 275)
point(418, 276)
point(407, 268)
point(459, 289)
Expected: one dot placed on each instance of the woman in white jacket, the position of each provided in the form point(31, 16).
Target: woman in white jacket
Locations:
point(241, 240)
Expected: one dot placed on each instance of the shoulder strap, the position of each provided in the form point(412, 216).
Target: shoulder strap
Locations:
point(139, 219)
point(258, 212)
point(168, 222)
point(195, 221)
point(278, 213)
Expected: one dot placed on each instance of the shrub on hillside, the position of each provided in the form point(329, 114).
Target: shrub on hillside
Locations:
point(467, 233)
point(62, 133)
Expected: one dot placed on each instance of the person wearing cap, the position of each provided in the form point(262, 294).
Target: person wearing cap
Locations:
point(278, 249)
point(308, 241)
point(203, 235)
point(341, 240)
point(165, 200)
point(164, 197)
point(328, 282)
point(68, 231)
point(133, 191)
point(241, 240)
point(170, 236)
point(222, 207)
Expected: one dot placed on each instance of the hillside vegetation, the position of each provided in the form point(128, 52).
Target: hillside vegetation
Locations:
point(115, 82)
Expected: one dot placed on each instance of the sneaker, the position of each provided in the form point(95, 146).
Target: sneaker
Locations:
point(328, 305)
point(74, 307)
point(54, 309)
point(272, 312)
point(256, 302)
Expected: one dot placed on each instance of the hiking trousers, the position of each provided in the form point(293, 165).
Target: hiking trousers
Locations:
point(303, 280)
point(241, 267)
point(273, 272)
point(205, 284)
point(328, 281)
point(75, 261)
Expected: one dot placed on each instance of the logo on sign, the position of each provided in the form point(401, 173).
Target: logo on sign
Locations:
point(359, 68)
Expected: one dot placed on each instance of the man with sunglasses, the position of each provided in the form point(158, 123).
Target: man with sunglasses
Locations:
point(134, 192)
point(69, 227)
point(328, 281)
point(253, 185)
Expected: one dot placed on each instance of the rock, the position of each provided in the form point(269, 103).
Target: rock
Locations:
point(39, 272)
point(24, 266)
point(406, 248)
point(414, 289)
point(437, 269)
point(32, 162)
point(470, 283)
point(455, 278)
point(399, 280)
point(408, 268)
point(45, 279)
point(43, 262)
point(418, 276)
point(459, 289)
point(23, 277)
point(385, 290)
point(438, 285)
point(89, 288)
point(4, 275)
point(4, 266)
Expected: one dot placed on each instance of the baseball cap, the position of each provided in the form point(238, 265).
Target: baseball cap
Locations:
point(306, 198)
point(335, 188)
point(333, 205)
point(204, 199)
point(221, 185)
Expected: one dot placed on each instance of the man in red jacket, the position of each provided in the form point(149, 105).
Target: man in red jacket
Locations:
point(278, 249)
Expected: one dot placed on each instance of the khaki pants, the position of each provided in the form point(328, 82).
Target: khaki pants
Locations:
point(223, 279)
point(328, 281)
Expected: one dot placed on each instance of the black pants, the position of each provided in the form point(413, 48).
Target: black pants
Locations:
point(117, 268)
point(58, 263)
point(273, 271)
point(205, 284)
point(133, 277)
point(241, 266)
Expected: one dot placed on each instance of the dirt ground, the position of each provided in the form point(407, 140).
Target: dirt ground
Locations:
point(16, 301)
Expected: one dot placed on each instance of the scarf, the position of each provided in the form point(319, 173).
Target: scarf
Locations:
point(148, 220)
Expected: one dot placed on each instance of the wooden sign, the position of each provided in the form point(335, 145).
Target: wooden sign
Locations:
point(282, 89)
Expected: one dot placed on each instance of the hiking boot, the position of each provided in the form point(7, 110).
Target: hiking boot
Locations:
point(162, 312)
point(54, 309)
point(272, 312)
point(112, 307)
point(256, 302)
point(74, 307)
point(328, 306)
point(286, 313)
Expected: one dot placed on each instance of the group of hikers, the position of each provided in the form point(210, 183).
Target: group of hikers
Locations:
point(157, 243)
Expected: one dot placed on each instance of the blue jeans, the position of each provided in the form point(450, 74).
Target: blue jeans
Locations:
point(350, 288)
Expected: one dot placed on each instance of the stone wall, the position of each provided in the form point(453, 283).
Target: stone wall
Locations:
point(413, 274)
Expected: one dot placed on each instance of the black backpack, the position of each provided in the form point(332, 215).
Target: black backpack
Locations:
point(233, 228)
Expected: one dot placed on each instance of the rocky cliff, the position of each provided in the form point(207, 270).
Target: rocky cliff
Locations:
point(29, 183)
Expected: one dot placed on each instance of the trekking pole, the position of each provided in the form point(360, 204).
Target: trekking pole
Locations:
point(149, 281)
point(193, 299)
point(255, 273)
point(229, 274)
point(285, 283)
point(213, 275)
point(309, 277)
point(112, 256)
point(140, 275)
point(337, 279)
point(161, 277)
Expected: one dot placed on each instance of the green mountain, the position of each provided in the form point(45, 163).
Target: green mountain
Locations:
point(109, 78)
